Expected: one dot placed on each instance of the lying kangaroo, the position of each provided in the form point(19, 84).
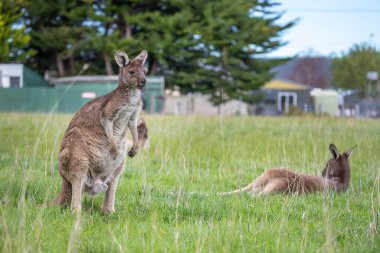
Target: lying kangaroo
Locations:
point(94, 146)
point(335, 177)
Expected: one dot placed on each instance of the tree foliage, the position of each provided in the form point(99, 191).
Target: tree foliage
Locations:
point(211, 47)
point(58, 33)
point(226, 40)
point(350, 70)
point(13, 38)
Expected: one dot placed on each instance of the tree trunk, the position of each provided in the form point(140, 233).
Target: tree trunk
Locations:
point(60, 66)
point(107, 62)
point(72, 65)
point(153, 66)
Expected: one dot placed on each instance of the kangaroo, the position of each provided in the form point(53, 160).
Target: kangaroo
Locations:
point(335, 177)
point(142, 131)
point(94, 146)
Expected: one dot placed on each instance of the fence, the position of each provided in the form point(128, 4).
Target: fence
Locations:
point(66, 98)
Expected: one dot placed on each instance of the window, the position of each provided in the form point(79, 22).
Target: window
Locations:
point(14, 81)
point(286, 99)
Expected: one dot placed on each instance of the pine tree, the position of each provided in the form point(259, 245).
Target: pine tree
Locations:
point(57, 32)
point(231, 38)
point(212, 47)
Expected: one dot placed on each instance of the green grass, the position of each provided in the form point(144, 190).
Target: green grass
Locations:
point(156, 213)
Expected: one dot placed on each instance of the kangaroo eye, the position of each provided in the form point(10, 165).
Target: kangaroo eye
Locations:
point(131, 72)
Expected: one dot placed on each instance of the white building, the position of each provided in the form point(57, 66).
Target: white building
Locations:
point(13, 75)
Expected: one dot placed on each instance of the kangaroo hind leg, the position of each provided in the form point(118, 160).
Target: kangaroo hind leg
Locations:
point(79, 167)
point(276, 186)
point(64, 197)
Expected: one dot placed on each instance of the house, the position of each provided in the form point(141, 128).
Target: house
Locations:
point(19, 76)
point(304, 83)
point(280, 95)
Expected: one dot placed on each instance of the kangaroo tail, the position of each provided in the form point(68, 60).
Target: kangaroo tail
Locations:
point(241, 190)
point(247, 188)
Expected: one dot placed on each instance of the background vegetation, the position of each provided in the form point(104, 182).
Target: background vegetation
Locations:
point(350, 70)
point(204, 46)
point(213, 47)
point(155, 211)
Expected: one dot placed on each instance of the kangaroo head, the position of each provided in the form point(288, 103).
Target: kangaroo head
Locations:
point(132, 72)
point(338, 167)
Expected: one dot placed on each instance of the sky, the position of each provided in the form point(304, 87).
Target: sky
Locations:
point(328, 27)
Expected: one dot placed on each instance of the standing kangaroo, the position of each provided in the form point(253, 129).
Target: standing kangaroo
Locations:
point(94, 146)
point(335, 177)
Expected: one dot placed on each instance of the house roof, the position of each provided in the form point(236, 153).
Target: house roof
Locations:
point(309, 70)
point(278, 84)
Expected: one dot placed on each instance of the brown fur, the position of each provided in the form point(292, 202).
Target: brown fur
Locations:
point(94, 146)
point(142, 130)
point(335, 177)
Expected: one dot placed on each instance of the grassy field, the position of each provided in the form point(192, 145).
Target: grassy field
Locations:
point(155, 211)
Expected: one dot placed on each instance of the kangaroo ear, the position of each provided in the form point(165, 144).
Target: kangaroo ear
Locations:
point(142, 57)
point(348, 152)
point(121, 58)
point(334, 151)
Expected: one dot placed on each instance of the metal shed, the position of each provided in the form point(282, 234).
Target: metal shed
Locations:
point(68, 94)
